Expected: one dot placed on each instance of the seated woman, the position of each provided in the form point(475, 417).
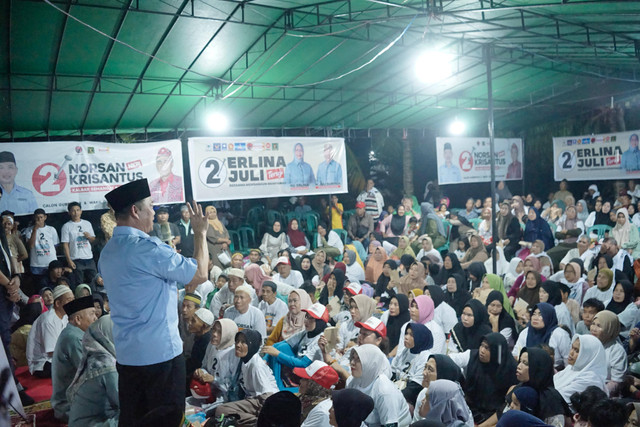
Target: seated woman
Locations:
point(393, 226)
point(546, 264)
point(476, 253)
point(444, 402)
point(625, 233)
point(471, 330)
point(403, 249)
point(299, 350)
point(531, 263)
point(509, 230)
point(538, 229)
point(587, 366)
point(383, 290)
point(529, 293)
point(606, 328)
point(274, 241)
point(476, 271)
point(252, 381)
point(355, 272)
point(316, 382)
point(368, 367)
point(408, 366)
point(500, 319)
point(535, 370)
point(220, 347)
point(603, 291)
point(415, 279)
point(93, 394)
point(293, 321)
point(489, 373)
point(455, 294)
point(484, 228)
point(439, 367)
point(450, 266)
point(550, 292)
point(395, 318)
point(296, 239)
point(568, 230)
point(623, 305)
point(361, 307)
point(573, 278)
point(444, 314)
point(375, 262)
point(516, 267)
point(421, 311)
point(543, 329)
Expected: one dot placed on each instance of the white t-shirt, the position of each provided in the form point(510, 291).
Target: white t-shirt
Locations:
point(73, 234)
point(44, 250)
point(42, 339)
point(319, 415)
point(294, 278)
point(252, 319)
point(274, 312)
point(304, 346)
point(559, 341)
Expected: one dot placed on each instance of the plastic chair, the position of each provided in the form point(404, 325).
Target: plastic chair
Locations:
point(291, 215)
point(342, 233)
point(247, 237)
point(312, 221)
point(236, 242)
point(475, 222)
point(447, 229)
point(600, 230)
point(346, 215)
point(273, 216)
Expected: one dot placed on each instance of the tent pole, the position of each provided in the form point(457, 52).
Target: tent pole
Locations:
point(494, 231)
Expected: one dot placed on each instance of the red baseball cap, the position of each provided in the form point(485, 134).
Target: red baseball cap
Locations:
point(318, 312)
point(354, 288)
point(360, 205)
point(375, 325)
point(318, 372)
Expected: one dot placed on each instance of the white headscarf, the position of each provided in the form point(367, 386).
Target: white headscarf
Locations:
point(227, 339)
point(582, 216)
point(590, 368)
point(447, 404)
point(501, 264)
point(374, 363)
point(621, 232)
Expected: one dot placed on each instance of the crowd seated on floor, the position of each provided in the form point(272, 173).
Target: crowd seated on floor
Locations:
point(387, 314)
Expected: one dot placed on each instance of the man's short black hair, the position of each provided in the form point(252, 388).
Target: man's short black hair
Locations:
point(72, 205)
point(608, 413)
point(308, 287)
point(595, 303)
point(8, 213)
point(39, 211)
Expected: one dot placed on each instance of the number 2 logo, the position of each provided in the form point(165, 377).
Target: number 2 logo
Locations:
point(212, 172)
point(567, 160)
point(45, 181)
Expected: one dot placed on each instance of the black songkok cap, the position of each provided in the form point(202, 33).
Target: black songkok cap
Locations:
point(162, 209)
point(78, 304)
point(7, 156)
point(128, 194)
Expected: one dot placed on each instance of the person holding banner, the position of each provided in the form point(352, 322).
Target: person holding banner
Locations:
point(298, 173)
point(329, 171)
point(631, 158)
point(15, 198)
point(449, 173)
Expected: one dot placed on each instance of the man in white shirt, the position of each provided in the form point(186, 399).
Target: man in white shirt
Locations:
point(225, 296)
point(77, 236)
point(286, 275)
point(41, 241)
point(271, 306)
point(244, 314)
point(45, 332)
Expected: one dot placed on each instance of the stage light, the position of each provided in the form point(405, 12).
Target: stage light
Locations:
point(433, 66)
point(217, 122)
point(457, 127)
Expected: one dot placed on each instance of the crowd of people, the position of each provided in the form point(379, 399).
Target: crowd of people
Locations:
point(414, 314)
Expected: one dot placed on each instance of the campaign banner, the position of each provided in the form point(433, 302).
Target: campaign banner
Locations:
point(465, 160)
point(49, 175)
point(231, 168)
point(595, 157)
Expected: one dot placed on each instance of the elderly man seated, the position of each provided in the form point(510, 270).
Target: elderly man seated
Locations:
point(244, 314)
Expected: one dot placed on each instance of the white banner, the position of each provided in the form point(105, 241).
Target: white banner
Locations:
point(596, 157)
point(49, 175)
point(255, 167)
point(465, 160)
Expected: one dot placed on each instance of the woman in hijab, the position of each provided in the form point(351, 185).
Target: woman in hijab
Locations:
point(500, 319)
point(355, 273)
point(98, 303)
point(509, 231)
point(456, 295)
point(218, 239)
point(550, 292)
point(603, 291)
point(382, 283)
point(274, 241)
point(408, 366)
point(293, 322)
point(450, 266)
point(538, 229)
point(603, 217)
point(625, 233)
point(583, 210)
point(485, 227)
point(471, 330)
point(438, 367)
point(476, 272)
point(397, 316)
point(444, 401)
point(535, 370)
point(490, 372)
point(296, 239)
point(334, 286)
point(299, 350)
point(444, 314)
point(622, 304)
point(422, 311)
point(319, 263)
point(255, 276)
point(405, 264)
point(568, 230)
point(520, 419)
point(368, 367)
point(82, 290)
point(20, 332)
point(431, 225)
point(403, 249)
point(543, 329)
point(531, 263)
point(306, 269)
point(93, 393)
point(217, 357)
point(530, 292)
point(476, 253)
point(252, 380)
point(361, 307)
point(606, 328)
point(515, 269)
point(393, 226)
point(573, 279)
point(375, 263)
point(350, 408)
point(415, 279)
point(587, 366)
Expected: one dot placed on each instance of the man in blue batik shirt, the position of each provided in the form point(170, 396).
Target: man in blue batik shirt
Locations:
point(448, 173)
point(141, 275)
point(329, 171)
point(14, 197)
point(298, 173)
point(631, 157)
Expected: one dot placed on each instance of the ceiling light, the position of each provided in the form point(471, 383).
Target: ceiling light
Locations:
point(457, 127)
point(217, 122)
point(433, 66)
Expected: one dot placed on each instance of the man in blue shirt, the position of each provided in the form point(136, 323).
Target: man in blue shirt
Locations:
point(449, 173)
point(140, 276)
point(329, 171)
point(14, 197)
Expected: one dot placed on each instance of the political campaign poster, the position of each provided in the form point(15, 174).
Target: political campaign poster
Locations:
point(466, 160)
point(254, 167)
point(49, 175)
point(597, 157)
